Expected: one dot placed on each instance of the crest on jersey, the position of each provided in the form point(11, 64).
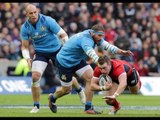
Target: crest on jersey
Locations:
point(43, 28)
point(63, 77)
point(36, 34)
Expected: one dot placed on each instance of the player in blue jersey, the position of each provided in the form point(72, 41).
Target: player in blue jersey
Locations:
point(47, 38)
point(70, 61)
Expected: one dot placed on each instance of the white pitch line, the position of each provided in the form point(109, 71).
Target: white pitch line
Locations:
point(81, 107)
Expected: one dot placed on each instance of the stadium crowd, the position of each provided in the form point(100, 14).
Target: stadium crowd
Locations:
point(133, 26)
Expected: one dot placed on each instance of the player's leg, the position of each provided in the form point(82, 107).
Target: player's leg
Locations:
point(113, 102)
point(65, 75)
point(134, 89)
point(38, 68)
point(86, 72)
point(79, 90)
point(63, 90)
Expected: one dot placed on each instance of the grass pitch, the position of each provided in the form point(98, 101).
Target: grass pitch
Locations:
point(70, 106)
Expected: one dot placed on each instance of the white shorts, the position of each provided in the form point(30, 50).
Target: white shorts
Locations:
point(39, 66)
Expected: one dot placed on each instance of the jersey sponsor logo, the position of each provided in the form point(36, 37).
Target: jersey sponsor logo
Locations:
point(133, 81)
point(39, 36)
point(36, 34)
point(63, 77)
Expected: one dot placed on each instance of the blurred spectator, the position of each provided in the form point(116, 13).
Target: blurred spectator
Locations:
point(153, 66)
point(155, 15)
point(135, 40)
point(141, 67)
point(110, 34)
point(122, 40)
point(21, 69)
point(72, 28)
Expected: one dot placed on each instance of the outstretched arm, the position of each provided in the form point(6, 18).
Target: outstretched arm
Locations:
point(121, 87)
point(124, 52)
point(115, 50)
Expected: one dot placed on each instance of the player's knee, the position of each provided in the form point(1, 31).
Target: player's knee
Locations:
point(67, 90)
point(36, 76)
point(36, 79)
point(89, 78)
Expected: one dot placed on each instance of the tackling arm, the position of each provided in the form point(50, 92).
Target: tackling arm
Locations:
point(92, 54)
point(115, 50)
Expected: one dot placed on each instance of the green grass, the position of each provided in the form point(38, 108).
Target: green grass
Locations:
point(73, 100)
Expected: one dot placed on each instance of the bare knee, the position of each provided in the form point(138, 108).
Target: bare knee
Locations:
point(36, 76)
point(87, 76)
point(67, 90)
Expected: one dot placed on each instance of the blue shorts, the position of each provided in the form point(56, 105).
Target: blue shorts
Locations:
point(66, 74)
point(45, 57)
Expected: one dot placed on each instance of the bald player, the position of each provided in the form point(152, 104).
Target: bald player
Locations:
point(47, 37)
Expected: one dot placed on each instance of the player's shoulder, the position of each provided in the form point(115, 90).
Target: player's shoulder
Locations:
point(44, 18)
point(86, 35)
point(97, 71)
point(96, 68)
point(25, 25)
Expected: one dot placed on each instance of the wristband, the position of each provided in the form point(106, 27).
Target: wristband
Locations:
point(25, 54)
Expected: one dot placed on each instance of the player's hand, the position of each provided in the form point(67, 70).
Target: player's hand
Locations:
point(112, 96)
point(108, 85)
point(126, 53)
point(29, 62)
point(109, 97)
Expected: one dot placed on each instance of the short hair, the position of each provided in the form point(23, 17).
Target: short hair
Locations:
point(103, 59)
point(98, 27)
point(26, 6)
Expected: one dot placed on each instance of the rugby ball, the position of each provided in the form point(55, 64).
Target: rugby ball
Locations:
point(103, 79)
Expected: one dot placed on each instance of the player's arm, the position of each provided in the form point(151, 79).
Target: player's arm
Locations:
point(96, 87)
point(92, 54)
point(121, 87)
point(56, 29)
point(25, 51)
point(94, 84)
point(62, 35)
point(122, 83)
point(115, 50)
point(25, 44)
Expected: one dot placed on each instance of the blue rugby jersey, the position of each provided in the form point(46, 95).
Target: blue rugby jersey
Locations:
point(43, 35)
point(76, 48)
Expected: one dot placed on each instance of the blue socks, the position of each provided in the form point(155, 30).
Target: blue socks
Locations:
point(37, 104)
